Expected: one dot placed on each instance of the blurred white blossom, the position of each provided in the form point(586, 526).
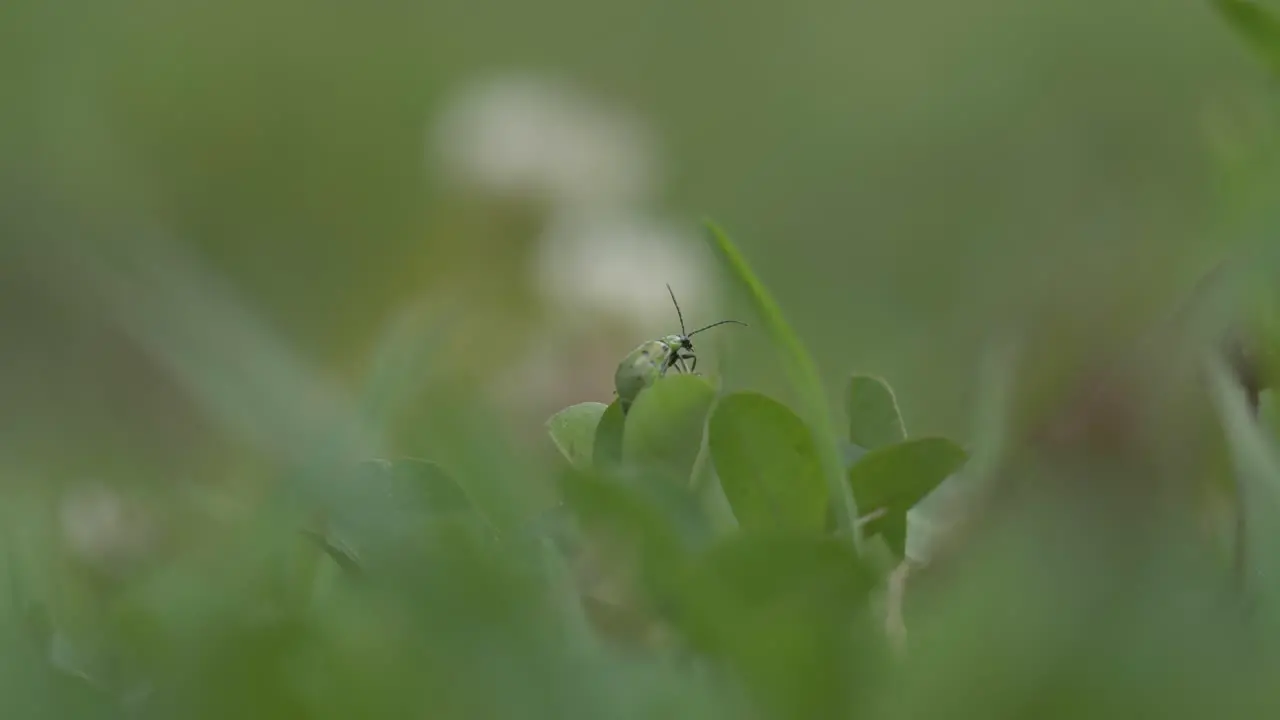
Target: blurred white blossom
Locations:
point(604, 258)
point(619, 268)
point(101, 528)
point(596, 168)
point(542, 138)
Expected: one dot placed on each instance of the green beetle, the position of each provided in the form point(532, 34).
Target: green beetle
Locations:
point(654, 358)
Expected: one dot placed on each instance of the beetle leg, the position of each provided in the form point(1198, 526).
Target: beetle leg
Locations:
point(670, 362)
point(684, 361)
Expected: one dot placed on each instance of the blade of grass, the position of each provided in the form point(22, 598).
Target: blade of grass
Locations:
point(1256, 26)
point(1258, 484)
point(803, 375)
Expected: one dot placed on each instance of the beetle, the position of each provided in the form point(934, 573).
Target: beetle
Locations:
point(652, 359)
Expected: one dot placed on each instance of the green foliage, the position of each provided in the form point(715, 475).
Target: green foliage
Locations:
point(392, 593)
point(692, 553)
point(767, 463)
point(800, 370)
point(788, 613)
point(607, 448)
point(608, 505)
point(890, 480)
point(1257, 26)
point(874, 419)
point(663, 432)
point(573, 430)
point(1257, 473)
point(401, 504)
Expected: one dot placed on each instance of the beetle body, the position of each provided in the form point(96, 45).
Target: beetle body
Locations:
point(651, 360)
point(648, 362)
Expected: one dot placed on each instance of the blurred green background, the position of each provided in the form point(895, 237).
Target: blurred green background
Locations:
point(909, 177)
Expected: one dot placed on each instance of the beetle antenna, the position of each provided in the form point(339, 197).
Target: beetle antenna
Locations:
point(722, 322)
point(678, 313)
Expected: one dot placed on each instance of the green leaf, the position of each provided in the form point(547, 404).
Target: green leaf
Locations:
point(619, 512)
point(879, 557)
point(781, 609)
point(664, 427)
point(767, 464)
point(1256, 26)
point(398, 504)
point(897, 477)
point(573, 430)
point(425, 485)
point(892, 479)
point(803, 375)
point(758, 569)
point(892, 528)
point(874, 420)
point(607, 449)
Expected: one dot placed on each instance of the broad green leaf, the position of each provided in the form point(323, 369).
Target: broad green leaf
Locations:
point(606, 450)
point(1259, 28)
point(617, 512)
point(767, 464)
point(892, 528)
point(573, 430)
point(720, 519)
point(803, 375)
point(892, 479)
point(664, 427)
point(874, 420)
point(398, 505)
point(899, 476)
point(757, 569)
point(421, 481)
point(781, 609)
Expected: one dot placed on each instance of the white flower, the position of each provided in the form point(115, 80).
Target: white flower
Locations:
point(540, 137)
point(619, 267)
point(603, 260)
